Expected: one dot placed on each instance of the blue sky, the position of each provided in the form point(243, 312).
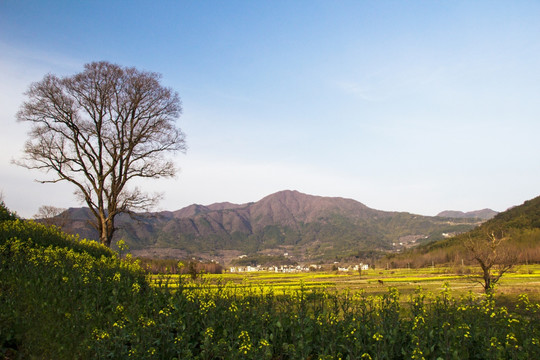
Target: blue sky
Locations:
point(417, 106)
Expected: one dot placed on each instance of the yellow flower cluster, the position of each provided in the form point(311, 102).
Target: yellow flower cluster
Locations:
point(209, 333)
point(245, 342)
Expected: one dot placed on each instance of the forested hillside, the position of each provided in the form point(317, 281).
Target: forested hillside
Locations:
point(308, 228)
point(520, 223)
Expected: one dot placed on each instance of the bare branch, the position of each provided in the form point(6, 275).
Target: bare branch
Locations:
point(491, 252)
point(51, 215)
point(99, 129)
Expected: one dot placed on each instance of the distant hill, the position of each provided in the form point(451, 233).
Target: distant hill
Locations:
point(484, 214)
point(521, 223)
point(308, 228)
point(522, 217)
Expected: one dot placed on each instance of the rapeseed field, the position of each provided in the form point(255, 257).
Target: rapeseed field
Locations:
point(65, 298)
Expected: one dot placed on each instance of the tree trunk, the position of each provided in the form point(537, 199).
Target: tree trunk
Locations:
point(487, 282)
point(106, 230)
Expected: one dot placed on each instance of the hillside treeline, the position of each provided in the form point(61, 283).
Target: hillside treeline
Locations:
point(172, 266)
point(521, 224)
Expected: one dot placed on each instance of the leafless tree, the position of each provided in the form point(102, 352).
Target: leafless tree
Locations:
point(52, 215)
point(491, 252)
point(100, 130)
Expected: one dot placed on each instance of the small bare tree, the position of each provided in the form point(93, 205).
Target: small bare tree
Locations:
point(52, 215)
point(100, 130)
point(491, 252)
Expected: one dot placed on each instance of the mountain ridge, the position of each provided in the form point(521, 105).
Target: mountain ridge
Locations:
point(484, 214)
point(309, 227)
point(520, 223)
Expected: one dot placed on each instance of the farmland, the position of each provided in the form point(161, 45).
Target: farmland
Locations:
point(66, 298)
point(523, 279)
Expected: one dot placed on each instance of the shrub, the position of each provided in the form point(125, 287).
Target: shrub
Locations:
point(42, 235)
point(5, 213)
point(55, 289)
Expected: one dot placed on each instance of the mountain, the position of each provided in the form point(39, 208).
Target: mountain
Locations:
point(521, 218)
point(307, 227)
point(520, 223)
point(524, 216)
point(484, 214)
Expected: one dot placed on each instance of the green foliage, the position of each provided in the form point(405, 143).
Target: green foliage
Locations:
point(264, 260)
point(520, 223)
point(173, 266)
point(6, 214)
point(523, 216)
point(52, 297)
point(41, 235)
point(58, 301)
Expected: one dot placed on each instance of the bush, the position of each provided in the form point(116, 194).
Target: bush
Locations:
point(56, 289)
point(41, 235)
point(6, 214)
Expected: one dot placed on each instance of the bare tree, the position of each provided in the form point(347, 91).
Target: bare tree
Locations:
point(100, 130)
point(52, 215)
point(495, 258)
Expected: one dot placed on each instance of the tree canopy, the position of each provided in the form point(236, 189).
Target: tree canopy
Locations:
point(99, 130)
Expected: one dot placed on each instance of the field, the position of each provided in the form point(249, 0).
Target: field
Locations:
point(65, 298)
point(522, 279)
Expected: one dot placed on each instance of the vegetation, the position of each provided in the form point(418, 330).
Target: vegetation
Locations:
point(99, 130)
point(61, 297)
point(520, 224)
point(493, 255)
point(309, 228)
point(376, 282)
point(5, 213)
point(172, 266)
point(264, 260)
point(55, 288)
point(52, 215)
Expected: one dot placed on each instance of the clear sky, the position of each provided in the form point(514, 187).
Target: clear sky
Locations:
point(417, 106)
